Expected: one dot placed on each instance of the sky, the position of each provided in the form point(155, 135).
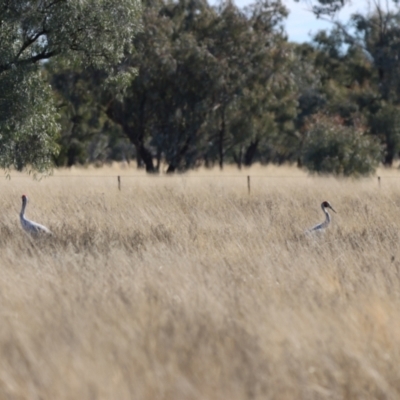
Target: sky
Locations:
point(301, 22)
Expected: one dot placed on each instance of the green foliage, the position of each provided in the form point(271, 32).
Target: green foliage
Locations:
point(28, 127)
point(200, 69)
point(331, 147)
point(222, 84)
point(89, 33)
point(380, 38)
point(360, 71)
point(83, 123)
point(385, 124)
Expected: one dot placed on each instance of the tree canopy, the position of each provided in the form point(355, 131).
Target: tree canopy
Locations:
point(90, 33)
point(210, 81)
point(176, 84)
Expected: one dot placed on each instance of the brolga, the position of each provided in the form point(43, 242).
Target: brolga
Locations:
point(321, 227)
point(30, 226)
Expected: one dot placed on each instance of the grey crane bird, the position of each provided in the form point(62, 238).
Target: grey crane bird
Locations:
point(30, 226)
point(322, 226)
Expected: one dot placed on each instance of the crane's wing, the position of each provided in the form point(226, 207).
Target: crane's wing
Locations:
point(41, 229)
point(34, 227)
point(318, 227)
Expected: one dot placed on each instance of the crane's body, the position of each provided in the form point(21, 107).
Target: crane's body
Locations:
point(321, 227)
point(30, 226)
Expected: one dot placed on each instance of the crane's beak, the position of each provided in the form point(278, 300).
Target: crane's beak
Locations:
point(332, 209)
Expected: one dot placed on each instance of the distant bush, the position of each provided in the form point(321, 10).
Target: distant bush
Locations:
point(385, 125)
point(331, 147)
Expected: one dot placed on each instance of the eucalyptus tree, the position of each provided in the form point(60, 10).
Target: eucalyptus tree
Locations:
point(211, 80)
point(134, 110)
point(365, 51)
point(310, 97)
point(87, 33)
point(212, 83)
point(86, 134)
point(251, 96)
point(380, 32)
point(164, 109)
point(184, 100)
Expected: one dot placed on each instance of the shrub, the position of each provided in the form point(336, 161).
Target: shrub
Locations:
point(331, 147)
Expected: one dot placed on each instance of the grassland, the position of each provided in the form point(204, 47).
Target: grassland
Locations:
point(188, 287)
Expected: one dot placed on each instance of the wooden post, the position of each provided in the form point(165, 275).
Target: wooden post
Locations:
point(119, 182)
point(379, 181)
point(248, 183)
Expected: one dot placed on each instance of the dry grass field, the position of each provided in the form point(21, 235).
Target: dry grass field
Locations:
point(187, 287)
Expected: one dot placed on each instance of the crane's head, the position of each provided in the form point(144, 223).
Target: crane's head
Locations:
point(24, 198)
point(326, 204)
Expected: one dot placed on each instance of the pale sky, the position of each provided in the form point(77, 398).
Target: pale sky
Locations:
point(301, 22)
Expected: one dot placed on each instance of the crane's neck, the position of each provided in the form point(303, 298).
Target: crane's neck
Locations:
point(22, 213)
point(327, 215)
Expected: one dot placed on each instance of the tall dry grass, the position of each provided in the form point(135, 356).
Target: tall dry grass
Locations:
point(188, 288)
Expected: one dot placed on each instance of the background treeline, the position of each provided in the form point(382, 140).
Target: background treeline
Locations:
point(210, 85)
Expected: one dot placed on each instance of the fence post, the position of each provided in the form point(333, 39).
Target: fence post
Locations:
point(248, 183)
point(119, 182)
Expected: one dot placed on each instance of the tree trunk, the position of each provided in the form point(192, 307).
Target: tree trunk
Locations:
point(146, 157)
point(221, 140)
point(171, 169)
point(389, 156)
point(158, 158)
point(139, 161)
point(238, 158)
point(136, 135)
point(174, 164)
point(250, 153)
point(299, 162)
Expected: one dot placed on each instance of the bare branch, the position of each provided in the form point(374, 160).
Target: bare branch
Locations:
point(28, 43)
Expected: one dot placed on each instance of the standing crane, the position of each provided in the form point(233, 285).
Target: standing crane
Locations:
point(30, 226)
point(320, 227)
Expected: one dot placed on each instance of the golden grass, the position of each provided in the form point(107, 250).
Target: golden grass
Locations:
point(186, 287)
